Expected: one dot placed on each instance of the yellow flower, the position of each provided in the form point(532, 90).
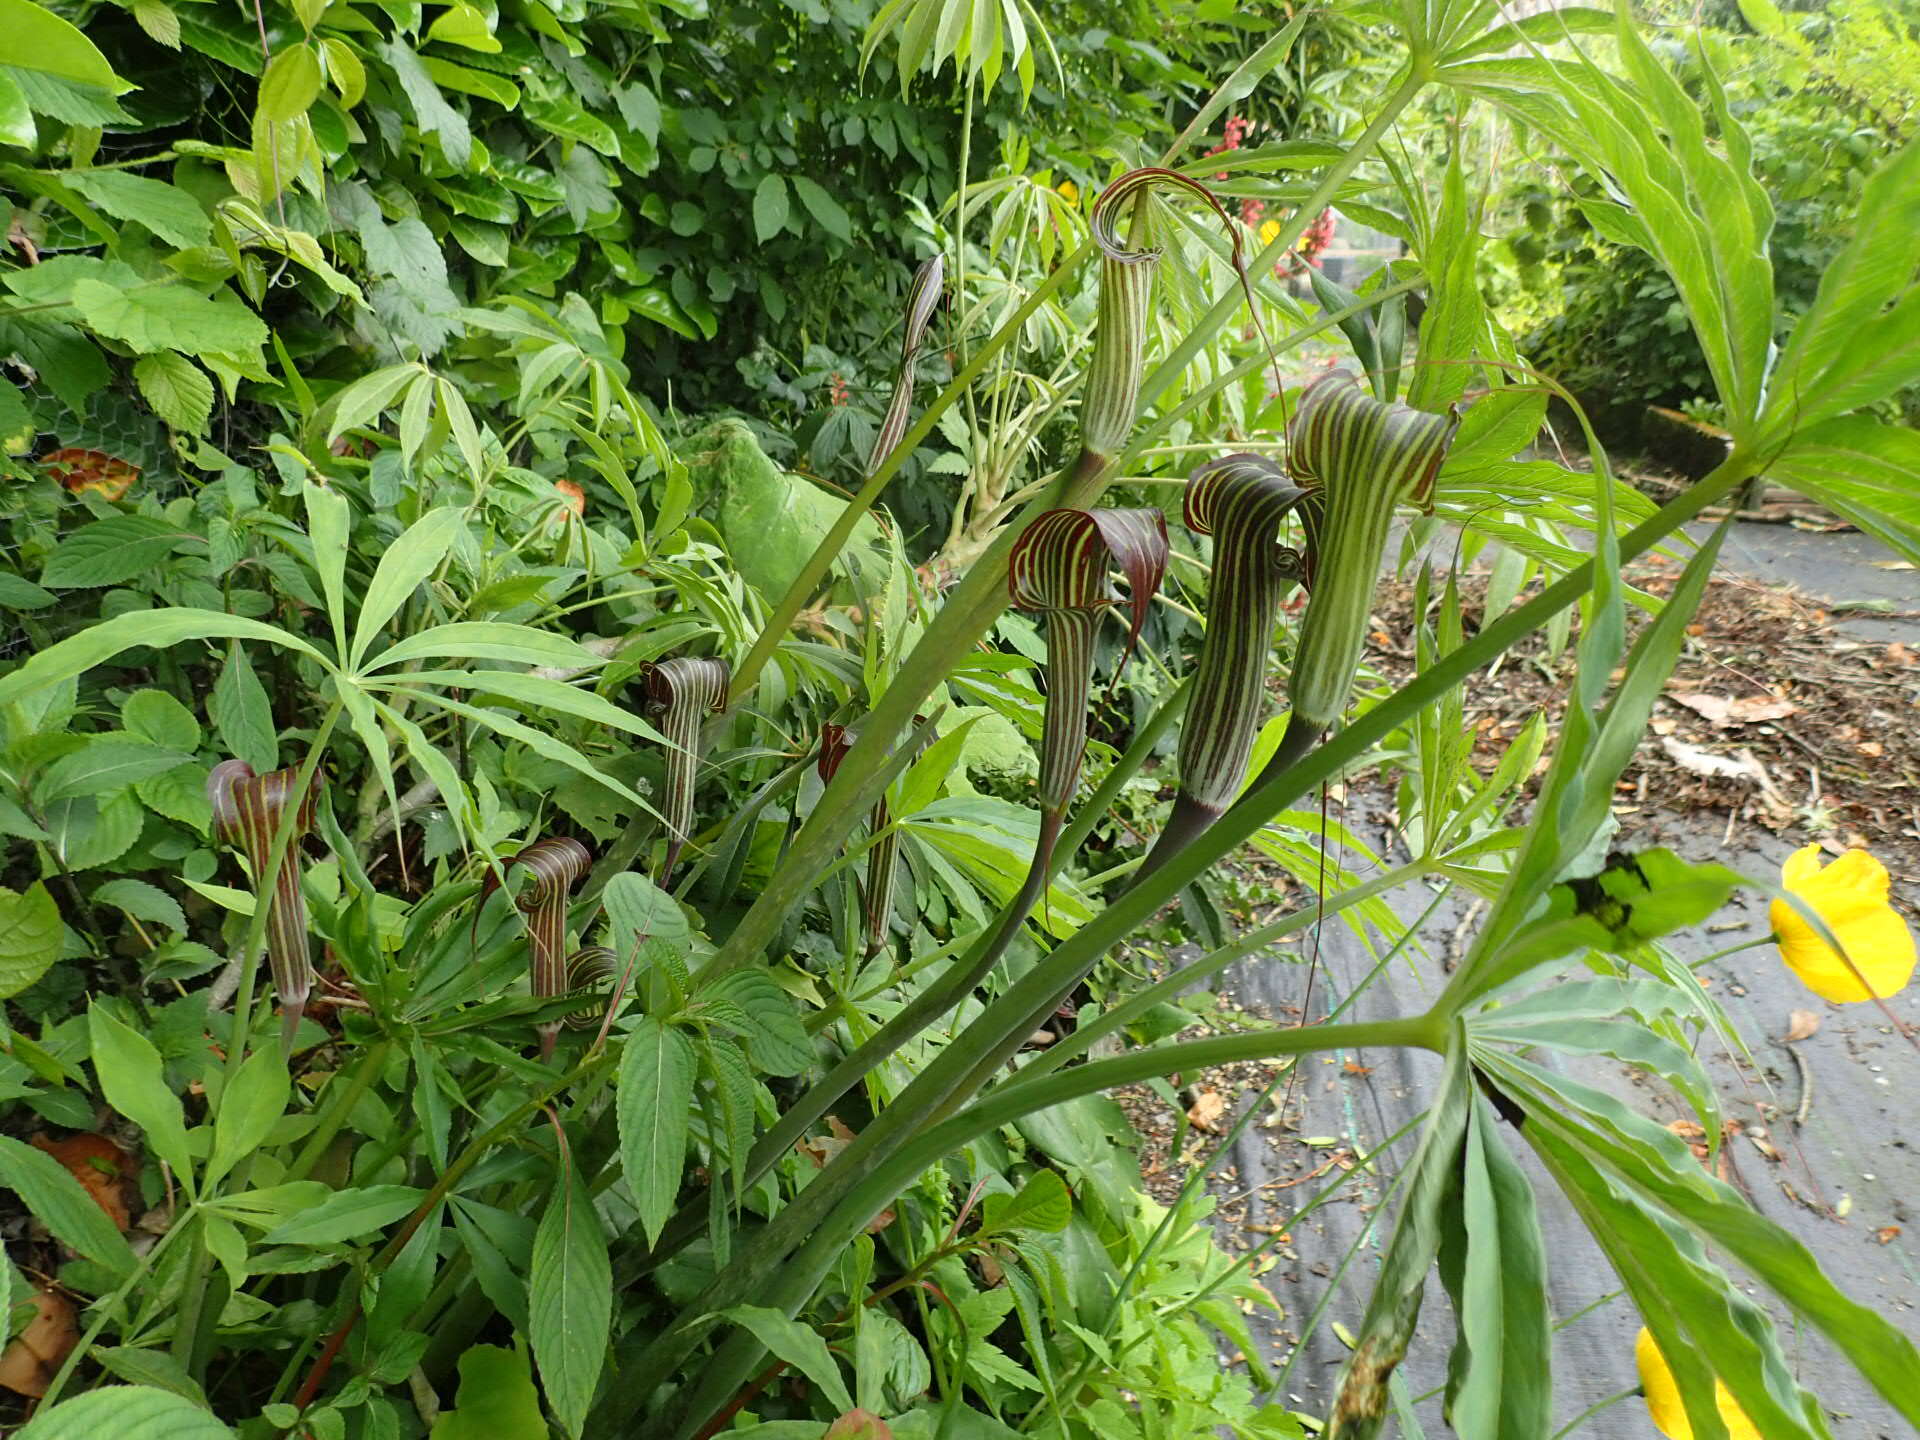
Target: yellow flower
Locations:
point(1268, 231)
point(1851, 896)
point(1663, 1397)
point(1070, 190)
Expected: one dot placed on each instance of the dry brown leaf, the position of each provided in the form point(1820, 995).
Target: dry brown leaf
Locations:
point(1801, 1024)
point(29, 1362)
point(1354, 1067)
point(822, 1148)
point(1886, 1234)
point(101, 1167)
point(881, 1221)
point(1206, 1110)
point(1723, 713)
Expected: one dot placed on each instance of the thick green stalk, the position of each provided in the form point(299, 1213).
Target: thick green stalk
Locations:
point(781, 619)
point(793, 1282)
point(1277, 788)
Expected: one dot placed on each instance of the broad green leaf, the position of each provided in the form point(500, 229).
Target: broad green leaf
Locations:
point(638, 909)
point(430, 109)
point(62, 1204)
point(483, 640)
point(100, 766)
point(30, 935)
point(465, 26)
point(1863, 470)
point(347, 1215)
point(652, 1103)
point(329, 525)
point(544, 693)
point(153, 1368)
point(291, 84)
point(161, 23)
point(152, 317)
point(242, 715)
point(16, 128)
point(345, 70)
point(135, 1084)
point(1041, 1203)
point(496, 1401)
point(250, 1106)
point(168, 211)
point(178, 390)
point(824, 208)
point(18, 593)
point(369, 397)
point(769, 207)
point(111, 551)
point(570, 1301)
point(798, 1345)
point(37, 39)
point(142, 901)
point(405, 565)
point(776, 1038)
point(125, 1412)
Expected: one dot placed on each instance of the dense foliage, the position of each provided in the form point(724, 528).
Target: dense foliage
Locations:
point(698, 932)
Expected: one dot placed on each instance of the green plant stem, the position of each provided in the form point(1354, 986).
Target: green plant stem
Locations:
point(1004, 1105)
point(193, 1329)
point(938, 998)
point(868, 1154)
point(340, 1105)
point(1593, 1410)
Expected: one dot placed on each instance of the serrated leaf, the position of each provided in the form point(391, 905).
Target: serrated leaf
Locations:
point(770, 207)
point(126, 1412)
point(291, 84)
point(168, 211)
point(159, 719)
point(776, 1038)
point(652, 1102)
point(156, 17)
point(100, 766)
point(1042, 1203)
point(169, 317)
point(30, 933)
point(110, 552)
point(142, 901)
point(179, 391)
point(570, 1301)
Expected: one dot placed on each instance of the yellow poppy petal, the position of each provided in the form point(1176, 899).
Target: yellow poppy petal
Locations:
point(1664, 1405)
point(1859, 873)
point(1801, 866)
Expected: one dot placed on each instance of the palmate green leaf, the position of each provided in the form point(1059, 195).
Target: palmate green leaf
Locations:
point(1454, 324)
point(126, 1412)
point(1860, 340)
point(1431, 1178)
point(1703, 1325)
point(30, 936)
point(329, 521)
point(570, 1300)
point(62, 1204)
point(370, 396)
point(404, 566)
point(1863, 470)
point(1656, 1165)
point(652, 1102)
point(134, 1083)
point(157, 628)
point(541, 692)
point(465, 640)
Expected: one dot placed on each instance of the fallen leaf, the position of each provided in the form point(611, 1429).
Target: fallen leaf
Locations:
point(1801, 1024)
point(1723, 713)
point(1206, 1110)
point(1872, 749)
point(37, 1352)
point(1354, 1067)
point(107, 476)
point(881, 1221)
point(1893, 565)
point(822, 1148)
point(100, 1166)
point(1886, 1234)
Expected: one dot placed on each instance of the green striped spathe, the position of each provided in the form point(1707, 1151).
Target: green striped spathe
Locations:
point(1240, 500)
point(1060, 567)
point(923, 297)
point(681, 693)
point(247, 810)
point(1361, 459)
